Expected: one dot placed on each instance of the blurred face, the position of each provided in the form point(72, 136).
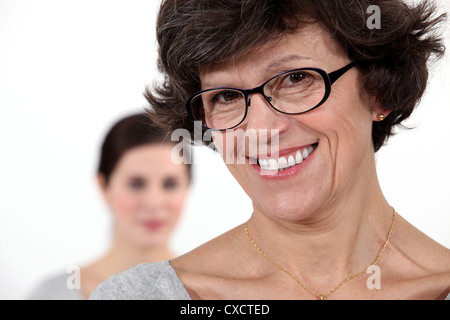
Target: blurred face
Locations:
point(146, 193)
point(333, 140)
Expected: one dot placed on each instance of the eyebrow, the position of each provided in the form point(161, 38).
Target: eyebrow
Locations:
point(272, 66)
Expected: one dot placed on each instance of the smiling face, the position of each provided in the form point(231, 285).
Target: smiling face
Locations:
point(146, 193)
point(323, 153)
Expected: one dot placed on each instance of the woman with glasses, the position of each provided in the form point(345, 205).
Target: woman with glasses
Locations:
point(321, 91)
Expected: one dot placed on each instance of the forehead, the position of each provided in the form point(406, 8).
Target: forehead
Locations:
point(311, 45)
point(151, 158)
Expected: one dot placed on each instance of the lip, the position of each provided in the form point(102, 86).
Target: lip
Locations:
point(153, 225)
point(271, 175)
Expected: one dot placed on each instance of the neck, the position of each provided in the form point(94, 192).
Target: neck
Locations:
point(128, 254)
point(123, 255)
point(341, 238)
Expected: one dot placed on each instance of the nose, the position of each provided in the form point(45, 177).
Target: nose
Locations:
point(152, 199)
point(261, 115)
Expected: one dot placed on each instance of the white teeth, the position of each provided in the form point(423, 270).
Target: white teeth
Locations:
point(283, 163)
point(291, 161)
point(264, 163)
point(273, 164)
point(305, 153)
point(298, 157)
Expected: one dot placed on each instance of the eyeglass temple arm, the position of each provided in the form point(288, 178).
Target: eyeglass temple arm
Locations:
point(338, 73)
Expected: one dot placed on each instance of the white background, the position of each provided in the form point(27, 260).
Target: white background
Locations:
point(69, 69)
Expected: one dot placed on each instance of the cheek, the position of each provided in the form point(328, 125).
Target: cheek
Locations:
point(353, 133)
point(346, 119)
point(232, 148)
point(349, 136)
point(225, 145)
point(123, 203)
point(175, 204)
point(346, 131)
point(349, 147)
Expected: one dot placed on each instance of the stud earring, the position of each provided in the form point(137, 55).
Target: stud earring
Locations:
point(381, 117)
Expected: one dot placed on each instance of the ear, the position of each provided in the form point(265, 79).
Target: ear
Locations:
point(379, 113)
point(101, 181)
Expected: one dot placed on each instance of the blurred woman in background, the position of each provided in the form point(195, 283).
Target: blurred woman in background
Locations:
point(145, 191)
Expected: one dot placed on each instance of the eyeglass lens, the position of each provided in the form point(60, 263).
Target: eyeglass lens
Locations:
point(292, 92)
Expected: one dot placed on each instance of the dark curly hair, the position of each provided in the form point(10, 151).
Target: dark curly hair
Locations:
point(393, 59)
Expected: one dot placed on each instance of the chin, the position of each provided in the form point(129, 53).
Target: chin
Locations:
point(289, 208)
point(295, 200)
point(147, 239)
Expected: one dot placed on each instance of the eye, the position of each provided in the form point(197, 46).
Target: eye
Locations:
point(136, 183)
point(297, 77)
point(295, 80)
point(170, 183)
point(226, 96)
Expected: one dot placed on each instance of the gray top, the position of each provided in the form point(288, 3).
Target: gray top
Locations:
point(56, 288)
point(148, 281)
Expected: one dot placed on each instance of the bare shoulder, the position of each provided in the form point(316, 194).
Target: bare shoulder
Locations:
point(419, 262)
point(414, 267)
point(421, 249)
point(220, 263)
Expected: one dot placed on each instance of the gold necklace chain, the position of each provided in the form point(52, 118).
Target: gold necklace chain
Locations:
point(314, 293)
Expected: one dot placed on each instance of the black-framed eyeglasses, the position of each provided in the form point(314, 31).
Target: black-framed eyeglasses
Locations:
point(292, 92)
